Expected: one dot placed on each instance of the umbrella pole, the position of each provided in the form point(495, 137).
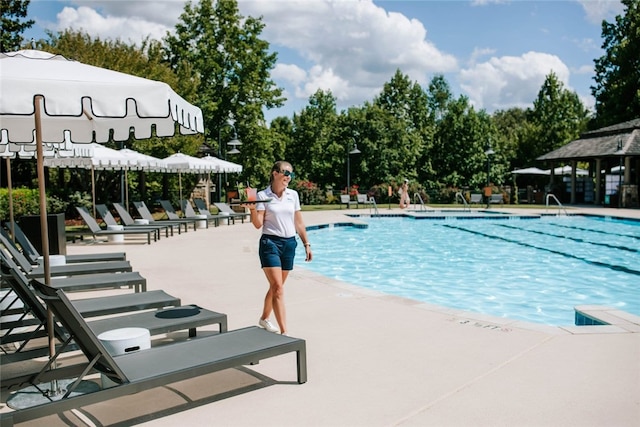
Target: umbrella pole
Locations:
point(180, 183)
point(10, 191)
point(44, 235)
point(93, 189)
point(126, 190)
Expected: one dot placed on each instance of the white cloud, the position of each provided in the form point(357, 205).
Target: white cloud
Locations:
point(599, 10)
point(351, 47)
point(508, 81)
point(129, 29)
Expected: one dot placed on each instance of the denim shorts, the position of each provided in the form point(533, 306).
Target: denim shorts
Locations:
point(277, 251)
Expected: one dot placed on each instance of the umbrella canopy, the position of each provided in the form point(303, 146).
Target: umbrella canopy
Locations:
point(188, 164)
point(530, 171)
point(92, 156)
point(223, 165)
point(144, 162)
point(48, 98)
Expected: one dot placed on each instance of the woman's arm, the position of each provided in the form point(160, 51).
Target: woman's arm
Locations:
point(256, 216)
point(302, 232)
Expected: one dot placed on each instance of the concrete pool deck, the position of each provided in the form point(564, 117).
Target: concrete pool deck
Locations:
point(373, 359)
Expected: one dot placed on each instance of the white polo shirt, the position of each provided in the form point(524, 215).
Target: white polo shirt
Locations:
point(279, 213)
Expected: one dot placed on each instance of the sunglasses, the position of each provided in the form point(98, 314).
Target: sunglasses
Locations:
point(288, 173)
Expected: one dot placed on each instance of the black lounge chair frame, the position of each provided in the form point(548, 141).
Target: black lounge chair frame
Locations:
point(96, 231)
point(109, 219)
point(30, 251)
point(157, 366)
point(145, 213)
point(203, 210)
point(75, 269)
point(127, 219)
point(167, 319)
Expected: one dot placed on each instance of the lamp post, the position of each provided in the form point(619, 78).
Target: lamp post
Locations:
point(353, 151)
point(234, 143)
point(489, 152)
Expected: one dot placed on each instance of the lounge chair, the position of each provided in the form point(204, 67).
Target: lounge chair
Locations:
point(129, 308)
point(173, 215)
point(189, 212)
point(97, 231)
point(364, 200)
point(203, 210)
point(30, 251)
point(146, 369)
point(127, 219)
point(228, 210)
point(109, 219)
point(496, 199)
point(37, 270)
point(345, 199)
point(476, 198)
point(145, 213)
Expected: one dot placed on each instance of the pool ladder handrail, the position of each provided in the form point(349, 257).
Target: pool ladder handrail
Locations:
point(464, 201)
point(560, 205)
point(373, 205)
point(422, 205)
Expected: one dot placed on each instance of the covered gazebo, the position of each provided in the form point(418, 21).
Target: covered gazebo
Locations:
point(612, 151)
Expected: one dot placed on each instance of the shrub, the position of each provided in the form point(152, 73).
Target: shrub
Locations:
point(26, 201)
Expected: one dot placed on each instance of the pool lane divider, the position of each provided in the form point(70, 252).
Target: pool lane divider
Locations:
point(564, 254)
point(595, 231)
point(575, 239)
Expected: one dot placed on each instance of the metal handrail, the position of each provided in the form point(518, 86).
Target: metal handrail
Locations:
point(374, 205)
point(464, 201)
point(422, 206)
point(560, 206)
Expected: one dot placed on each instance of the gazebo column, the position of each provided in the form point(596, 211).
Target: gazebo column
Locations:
point(598, 195)
point(573, 181)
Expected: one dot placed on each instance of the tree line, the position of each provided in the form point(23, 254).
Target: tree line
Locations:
point(217, 60)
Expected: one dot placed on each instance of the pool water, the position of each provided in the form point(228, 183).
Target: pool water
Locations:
point(535, 270)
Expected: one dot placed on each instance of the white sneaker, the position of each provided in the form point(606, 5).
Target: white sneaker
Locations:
point(266, 323)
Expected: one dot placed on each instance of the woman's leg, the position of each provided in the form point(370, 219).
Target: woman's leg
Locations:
point(274, 299)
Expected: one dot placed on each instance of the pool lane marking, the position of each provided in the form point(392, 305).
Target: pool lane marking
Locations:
point(594, 231)
point(564, 254)
point(575, 239)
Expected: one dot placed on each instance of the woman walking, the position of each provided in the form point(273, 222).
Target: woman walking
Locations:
point(280, 220)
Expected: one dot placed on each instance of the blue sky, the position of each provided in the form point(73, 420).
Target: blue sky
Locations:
point(495, 52)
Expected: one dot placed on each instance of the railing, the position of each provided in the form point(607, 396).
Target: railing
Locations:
point(560, 206)
point(373, 205)
point(460, 196)
point(416, 196)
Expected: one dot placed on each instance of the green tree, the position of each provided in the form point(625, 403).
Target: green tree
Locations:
point(233, 64)
point(409, 125)
point(12, 14)
point(313, 148)
point(617, 72)
point(559, 116)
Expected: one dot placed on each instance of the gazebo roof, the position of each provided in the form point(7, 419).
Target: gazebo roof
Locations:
point(601, 142)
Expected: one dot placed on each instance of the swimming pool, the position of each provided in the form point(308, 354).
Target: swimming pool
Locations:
point(534, 269)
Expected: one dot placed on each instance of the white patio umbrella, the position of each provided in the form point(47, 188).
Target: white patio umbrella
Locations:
point(22, 151)
point(143, 162)
point(183, 163)
point(223, 165)
point(530, 171)
point(50, 96)
point(566, 170)
point(47, 97)
point(95, 157)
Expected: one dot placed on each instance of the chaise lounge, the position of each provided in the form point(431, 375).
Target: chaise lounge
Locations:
point(141, 370)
